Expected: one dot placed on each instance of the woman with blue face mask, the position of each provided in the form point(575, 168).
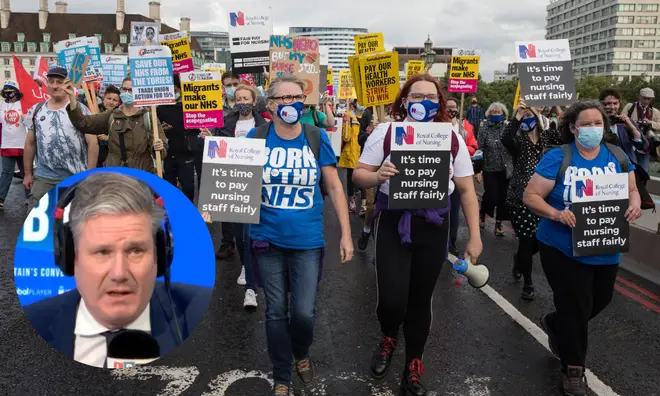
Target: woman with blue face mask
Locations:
point(288, 242)
point(582, 286)
point(496, 163)
point(411, 246)
point(525, 139)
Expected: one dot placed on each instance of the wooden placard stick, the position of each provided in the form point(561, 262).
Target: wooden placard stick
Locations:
point(460, 119)
point(154, 127)
point(95, 103)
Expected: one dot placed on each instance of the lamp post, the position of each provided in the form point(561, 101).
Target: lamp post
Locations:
point(428, 56)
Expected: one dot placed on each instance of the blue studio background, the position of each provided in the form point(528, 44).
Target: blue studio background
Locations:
point(37, 277)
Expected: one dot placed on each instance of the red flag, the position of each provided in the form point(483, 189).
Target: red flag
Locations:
point(41, 72)
point(32, 93)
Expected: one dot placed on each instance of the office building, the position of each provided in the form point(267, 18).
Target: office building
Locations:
point(29, 35)
point(501, 75)
point(339, 40)
point(215, 45)
point(609, 37)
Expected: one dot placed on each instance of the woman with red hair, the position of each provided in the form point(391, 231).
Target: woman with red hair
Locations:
point(411, 246)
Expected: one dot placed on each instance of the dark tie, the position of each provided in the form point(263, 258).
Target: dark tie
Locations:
point(109, 336)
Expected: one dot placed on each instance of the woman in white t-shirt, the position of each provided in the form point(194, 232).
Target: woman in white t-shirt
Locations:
point(13, 137)
point(411, 246)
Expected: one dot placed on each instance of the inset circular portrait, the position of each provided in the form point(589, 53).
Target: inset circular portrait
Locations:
point(114, 267)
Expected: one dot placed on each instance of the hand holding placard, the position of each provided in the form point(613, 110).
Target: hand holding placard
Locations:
point(78, 69)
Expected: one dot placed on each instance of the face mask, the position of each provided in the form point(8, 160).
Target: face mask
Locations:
point(453, 113)
point(528, 124)
point(290, 113)
point(230, 92)
point(10, 94)
point(244, 109)
point(496, 118)
point(423, 111)
point(590, 137)
point(126, 98)
point(361, 108)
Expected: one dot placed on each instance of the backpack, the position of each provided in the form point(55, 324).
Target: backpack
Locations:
point(313, 136)
point(315, 117)
point(567, 150)
point(122, 142)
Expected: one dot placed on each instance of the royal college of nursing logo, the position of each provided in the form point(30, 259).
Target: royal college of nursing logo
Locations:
point(237, 18)
point(527, 51)
point(404, 135)
point(217, 149)
point(584, 188)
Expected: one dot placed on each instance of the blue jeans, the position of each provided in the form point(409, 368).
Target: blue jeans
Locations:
point(7, 175)
point(289, 329)
point(242, 235)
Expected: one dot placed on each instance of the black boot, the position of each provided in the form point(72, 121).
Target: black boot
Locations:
point(527, 292)
point(411, 383)
point(363, 242)
point(380, 362)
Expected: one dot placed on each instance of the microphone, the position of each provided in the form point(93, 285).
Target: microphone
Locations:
point(131, 348)
point(477, 275)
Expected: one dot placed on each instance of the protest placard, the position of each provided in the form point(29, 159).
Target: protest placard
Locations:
point(464, 71)
point(546, 72)
point(201, 96)
point(599, 205)
point(422, 153)
point(369, 43)
point(151, 75)
point(413, 68)
point(231, 179)
point(324, 55)
point(144, 33)
point(298, 56)
point(354, 67)
point(379, 74)
point(247, 79)
point(182, 60)
point(249, 39)
point(115, 69)
point(346, 89)
point(78, 69)
point(66, 50)
point(335, 136)
point(219, 67)
point(95, 65)
point(323, 80)
point(329, 85)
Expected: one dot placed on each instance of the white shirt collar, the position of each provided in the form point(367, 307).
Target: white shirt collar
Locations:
point(86, 325)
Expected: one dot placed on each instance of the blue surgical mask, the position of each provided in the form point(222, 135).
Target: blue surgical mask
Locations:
point(528, 124)
point(361, 108)
point(496, 118)
point(423, 111)
point(230, 92)
point(126, 98)
point(290, 113)
point(590, 137)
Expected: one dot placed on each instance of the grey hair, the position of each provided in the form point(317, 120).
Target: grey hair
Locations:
point(113, 194)
point(498, 106)
point(284, 78)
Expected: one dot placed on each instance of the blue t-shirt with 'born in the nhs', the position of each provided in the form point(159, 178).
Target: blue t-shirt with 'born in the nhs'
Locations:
point(555, 234)
point(291, 200)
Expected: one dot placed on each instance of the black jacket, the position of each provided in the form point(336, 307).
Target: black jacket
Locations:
point(182, 142)
point(231, 119)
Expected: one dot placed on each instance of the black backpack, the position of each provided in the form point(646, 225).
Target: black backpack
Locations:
point(313, 136)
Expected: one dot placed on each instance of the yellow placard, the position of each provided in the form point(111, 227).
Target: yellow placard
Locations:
point(413, 68)
point(354, 66)
point(379, 74)
point(464, 72)
point(201, 97)
point(369, 43)
point(331, 80)
point(182, 59)
point(346, 87)
point(516, 100)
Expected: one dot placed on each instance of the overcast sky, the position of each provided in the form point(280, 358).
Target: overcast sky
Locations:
point(489, 25)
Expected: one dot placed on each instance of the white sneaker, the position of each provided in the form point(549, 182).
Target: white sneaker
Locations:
point(250, 299)
point(241, 278)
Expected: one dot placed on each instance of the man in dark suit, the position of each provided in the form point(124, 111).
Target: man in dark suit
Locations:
point(116, 246)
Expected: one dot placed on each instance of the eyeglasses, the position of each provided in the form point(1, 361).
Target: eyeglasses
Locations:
point(286, 99)
point(418, 97)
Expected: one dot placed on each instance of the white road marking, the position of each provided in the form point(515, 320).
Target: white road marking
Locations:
point(220, 385)
point(179, 378)
point(596, 385)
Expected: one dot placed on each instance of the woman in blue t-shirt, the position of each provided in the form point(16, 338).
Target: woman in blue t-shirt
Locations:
point(288, 242)
point(582, 286)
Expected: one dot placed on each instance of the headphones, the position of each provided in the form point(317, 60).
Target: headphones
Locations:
point(64, 248)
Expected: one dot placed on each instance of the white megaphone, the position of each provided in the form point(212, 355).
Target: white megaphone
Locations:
point(477, 275)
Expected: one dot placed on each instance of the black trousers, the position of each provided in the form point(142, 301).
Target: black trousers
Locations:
point(406, 276)
point(581, 292)
point(350, 187)
point(496, 186)
point(181, 168)
point(103, 154)
point(228, 234)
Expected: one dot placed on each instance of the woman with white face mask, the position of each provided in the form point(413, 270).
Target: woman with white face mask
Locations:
point(582, 286)
point(13, 137)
